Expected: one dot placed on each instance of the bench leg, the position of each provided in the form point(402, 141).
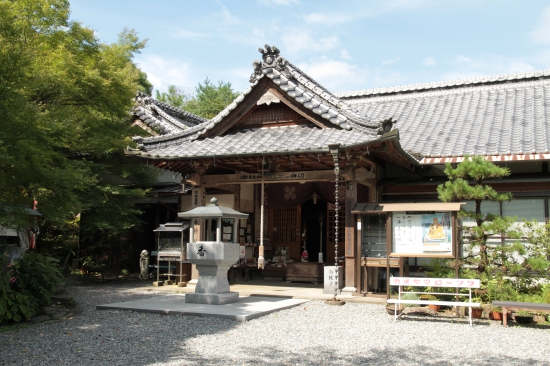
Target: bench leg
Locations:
point(505, 317)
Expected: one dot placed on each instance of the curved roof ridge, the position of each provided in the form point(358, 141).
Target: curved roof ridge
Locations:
point(180, 124)
point(181, 135)
point(305, 90)
point(448, 84)
point(187, 118)
point(453, 91)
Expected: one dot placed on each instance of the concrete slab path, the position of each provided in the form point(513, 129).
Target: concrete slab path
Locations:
point(248, 307)
point(278, 288)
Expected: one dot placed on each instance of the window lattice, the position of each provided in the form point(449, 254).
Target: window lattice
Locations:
point(285, 225)
point(273, 114)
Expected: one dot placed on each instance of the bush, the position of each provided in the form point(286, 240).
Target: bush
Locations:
point(13, 306)
point(37, 277)
point(26, 286)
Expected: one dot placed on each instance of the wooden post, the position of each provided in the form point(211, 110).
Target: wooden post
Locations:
point(357, 257)
point(349, 242)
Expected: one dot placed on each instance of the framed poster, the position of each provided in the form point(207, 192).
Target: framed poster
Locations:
point(418, 234)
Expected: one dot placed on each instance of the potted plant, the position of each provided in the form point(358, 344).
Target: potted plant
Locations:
point(496, 313)
point(477, 312)
point(432, 298)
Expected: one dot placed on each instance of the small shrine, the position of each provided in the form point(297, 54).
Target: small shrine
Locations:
point(213, 258)
point(171, 249)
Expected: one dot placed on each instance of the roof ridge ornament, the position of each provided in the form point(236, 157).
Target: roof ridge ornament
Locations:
point(271, 59)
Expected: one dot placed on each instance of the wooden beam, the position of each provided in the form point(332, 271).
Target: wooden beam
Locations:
point(295, 176)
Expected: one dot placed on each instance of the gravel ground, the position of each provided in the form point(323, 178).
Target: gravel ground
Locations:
point(310, 334)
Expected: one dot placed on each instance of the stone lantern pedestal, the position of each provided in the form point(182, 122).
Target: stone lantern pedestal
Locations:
point(213, 261)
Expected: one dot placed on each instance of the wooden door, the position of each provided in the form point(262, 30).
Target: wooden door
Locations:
point(284, 226)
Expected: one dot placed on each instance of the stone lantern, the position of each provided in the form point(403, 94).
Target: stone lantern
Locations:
point(213, 258)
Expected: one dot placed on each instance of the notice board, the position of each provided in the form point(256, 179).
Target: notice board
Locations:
point(422, 234)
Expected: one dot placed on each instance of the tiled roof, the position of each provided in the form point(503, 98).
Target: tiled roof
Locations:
point(447, 84)
point(350, 126)
point(299, 86)
point(483, 116)
point(163, 117)
point(493, 116)
point(281, 139)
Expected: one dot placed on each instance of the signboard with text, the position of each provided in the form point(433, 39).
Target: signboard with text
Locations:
point(427, 234)
point(435, 282)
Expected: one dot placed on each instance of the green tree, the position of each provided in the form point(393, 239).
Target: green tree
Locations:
point(175, 97)
point(209, 99)
point(64, 103)
point(538, 258)
point(466, 182)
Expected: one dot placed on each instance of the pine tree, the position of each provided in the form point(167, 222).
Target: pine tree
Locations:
point(468, 182)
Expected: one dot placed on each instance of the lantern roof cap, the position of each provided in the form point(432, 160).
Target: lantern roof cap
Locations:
point(213, 210)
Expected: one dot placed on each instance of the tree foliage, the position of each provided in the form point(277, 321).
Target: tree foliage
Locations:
point(174, 96)
point(467, 182)
point(208, 101)
point(508, 271)
point(64, 103)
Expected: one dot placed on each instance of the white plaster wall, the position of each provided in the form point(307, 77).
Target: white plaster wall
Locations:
point(223, 199)
point(186, 203)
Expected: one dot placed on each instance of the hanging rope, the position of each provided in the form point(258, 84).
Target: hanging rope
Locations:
point(261, 259)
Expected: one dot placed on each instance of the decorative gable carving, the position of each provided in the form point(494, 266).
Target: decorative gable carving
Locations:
point(269, 115)
point(268, 98)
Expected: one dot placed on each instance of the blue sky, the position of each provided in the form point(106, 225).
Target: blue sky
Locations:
point(344, 45)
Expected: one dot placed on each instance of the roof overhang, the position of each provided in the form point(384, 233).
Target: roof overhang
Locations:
point(212, 211)
point(388, 148)
point(494, 158)
point(374, 207)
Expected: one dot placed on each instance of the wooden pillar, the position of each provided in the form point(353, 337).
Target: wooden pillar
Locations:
point(350, 244)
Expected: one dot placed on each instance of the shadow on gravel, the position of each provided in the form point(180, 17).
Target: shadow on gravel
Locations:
point(442, 319)
point(129, 338)
point(373, 356)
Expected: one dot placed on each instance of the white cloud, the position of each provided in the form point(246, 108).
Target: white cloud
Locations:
point(279, 2)
point(162, 72)
point(460, 59)
point(487, 65)
point(227, 17)
point(333, 74)
point(390, 61)
point(180, 33)
point(300, 40)
point(542, 33)
point(319, 18)
point(345, 55)
point(240, 76)
point(382, 78)
point(429, 61)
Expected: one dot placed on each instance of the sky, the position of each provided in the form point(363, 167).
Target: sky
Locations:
point(343, 45)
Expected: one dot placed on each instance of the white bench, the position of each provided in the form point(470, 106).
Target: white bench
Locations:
point(402, 282)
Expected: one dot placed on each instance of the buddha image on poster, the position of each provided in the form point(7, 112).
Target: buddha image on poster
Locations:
point(436, 232)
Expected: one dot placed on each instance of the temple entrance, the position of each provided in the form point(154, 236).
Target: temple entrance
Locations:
point(314, 223)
